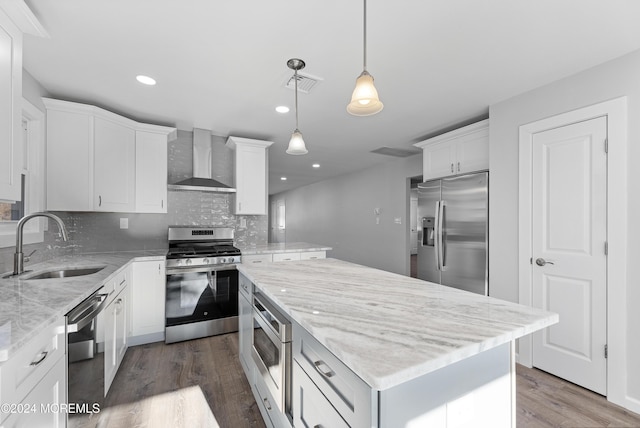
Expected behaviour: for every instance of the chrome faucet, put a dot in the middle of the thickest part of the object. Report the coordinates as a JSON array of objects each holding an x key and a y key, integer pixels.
[{"x": 18, "y": 257}]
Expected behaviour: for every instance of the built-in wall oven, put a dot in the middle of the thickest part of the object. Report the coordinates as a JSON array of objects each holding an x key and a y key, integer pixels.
[
  {"x": 202, "y": 283},
  {"x": 271, "y": 350}
]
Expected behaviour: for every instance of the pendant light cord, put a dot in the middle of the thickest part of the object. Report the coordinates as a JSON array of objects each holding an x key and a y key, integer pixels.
[
  {"x": 365, "y": 36},
  {"x": 295, "y": 77}
]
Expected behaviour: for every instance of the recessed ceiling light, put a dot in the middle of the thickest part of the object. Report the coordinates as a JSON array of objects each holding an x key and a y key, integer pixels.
[
  {"x": 316, "y": 165},
  {"x": 282, "y": 109},
  {"x": 283, "y": 178},
  {"x": 146, "y": 80}
]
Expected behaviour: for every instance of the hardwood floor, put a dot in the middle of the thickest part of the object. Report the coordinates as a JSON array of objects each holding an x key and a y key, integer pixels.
[
  {"x": 544, "y": 400},
  {"x": 200, "y": 383}
]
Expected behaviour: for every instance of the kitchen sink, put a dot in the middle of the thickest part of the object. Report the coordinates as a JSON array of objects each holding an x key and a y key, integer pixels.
[{"x": 64, "y": 273}]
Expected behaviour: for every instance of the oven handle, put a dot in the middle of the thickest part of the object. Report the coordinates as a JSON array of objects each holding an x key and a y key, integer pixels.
[
  {"x": 213, "y": 282},
  {"x": 189, "y": 269}
]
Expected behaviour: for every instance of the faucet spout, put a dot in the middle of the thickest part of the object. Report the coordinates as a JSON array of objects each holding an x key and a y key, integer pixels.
[{"x": 18, "y": 258}]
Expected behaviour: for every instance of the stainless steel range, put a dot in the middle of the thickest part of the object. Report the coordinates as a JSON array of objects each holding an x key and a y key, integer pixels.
[{"x": 202, "y": 283}]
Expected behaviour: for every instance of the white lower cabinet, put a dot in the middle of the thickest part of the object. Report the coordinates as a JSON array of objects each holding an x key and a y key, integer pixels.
[
  {"x": 148, "y": 287},
  {"x": 116, "y": 330},
  {"x": 310, "y": 407},
  {"x": 245, "y": 327},
  {"x": 285, "y": 257},
  {"x": 43, "y": 407},
  {"x": 257, "y": 258}
]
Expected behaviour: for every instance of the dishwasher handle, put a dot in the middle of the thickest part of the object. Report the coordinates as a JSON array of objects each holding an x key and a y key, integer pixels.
[{"x": 86, "y": 313}]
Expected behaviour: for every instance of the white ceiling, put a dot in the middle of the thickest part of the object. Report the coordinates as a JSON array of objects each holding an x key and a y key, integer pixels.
[{"x": 221, "y": 65}]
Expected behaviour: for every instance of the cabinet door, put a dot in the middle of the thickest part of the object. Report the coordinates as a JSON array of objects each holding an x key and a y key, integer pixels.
[
  {"x": 245, "y": 332},
  {"x": 148, "y": 299},
  {"x": 114, "y": 170},
  {"x": 69, "y": 161},
  {"x": 115, "y": 337},
  {"x": 251, "y": 180},
  {"x": 472, "y": 152},
  {"x": 151, "y": 172},
  {"x": 438, "y": 160},
  {"x": 10, "y": 109},
  {"x": 44, "y": 402}
]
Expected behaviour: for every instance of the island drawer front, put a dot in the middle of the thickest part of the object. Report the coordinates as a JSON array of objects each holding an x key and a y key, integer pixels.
[
  {"x": 313, "y": 255},
  {"x": 257, "y": 258},
  {"x": 285, "y": 257},
  {"x": 246, "y": 287},
  {"x": 31, "y": 363},
  {"x": 349, "y": 394},
  {"x": 310, "y": 407}
]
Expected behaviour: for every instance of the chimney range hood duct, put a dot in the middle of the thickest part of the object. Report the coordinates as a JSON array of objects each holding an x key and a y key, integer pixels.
[{"x": 202, "y": 173}]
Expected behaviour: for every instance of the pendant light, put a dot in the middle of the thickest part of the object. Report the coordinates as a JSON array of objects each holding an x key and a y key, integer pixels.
[
  {"x": 364, "y": 101},
  {"x": 296, "y": 144}
]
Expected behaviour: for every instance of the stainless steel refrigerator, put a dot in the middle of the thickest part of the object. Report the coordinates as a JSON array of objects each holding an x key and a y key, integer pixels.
[{"x": 453, "y": 232}]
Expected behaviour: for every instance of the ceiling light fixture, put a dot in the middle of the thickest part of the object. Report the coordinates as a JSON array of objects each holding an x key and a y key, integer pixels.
[
  {"x": 364, "y": 101},
  {"x": 283, "y": 178},
  {"x": 146, "y": 80},
  {"x": 316, "y": 165},
  {"x": 282, "y": 109},
  {"x": 296, "y": 144}
]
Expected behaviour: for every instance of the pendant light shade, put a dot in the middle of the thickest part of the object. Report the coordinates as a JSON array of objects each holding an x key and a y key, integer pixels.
[
  {"x": 365, "y": 101},
  {"x": 296, "y": 144}
]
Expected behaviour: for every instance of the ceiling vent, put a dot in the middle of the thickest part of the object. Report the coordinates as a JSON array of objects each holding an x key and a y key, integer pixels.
[
  {"x": 306, "y": 82},
  {"x": 399, "y": 153}
]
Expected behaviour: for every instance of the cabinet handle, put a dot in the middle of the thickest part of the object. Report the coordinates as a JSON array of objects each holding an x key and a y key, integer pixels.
[
  {"x": 159, "y": 268},
  {"x": 317, "y": 426},
  {"x": 99, "y": 200},
  {"x": 257, "y": 261},
  {"x": 458, "y": 166},
  {"x": 161, "y": 203},
  {"x": 239, "y": 206},
  {"x": 42, "y": 356},
  {"x": 451, "y": 167},
  {"x": 267, "y": 404},
  {"x": 118, "y": 307},
  {"x": 329, "y": 373}
]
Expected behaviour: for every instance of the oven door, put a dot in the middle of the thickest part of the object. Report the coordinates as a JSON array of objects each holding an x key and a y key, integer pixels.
[
  {"x": 200, "y": 303},
  {"x": 271, "y": 354}
]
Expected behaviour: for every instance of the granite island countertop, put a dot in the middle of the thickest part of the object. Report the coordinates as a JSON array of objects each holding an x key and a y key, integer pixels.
[
  {"x": 388, "y": 328},
  {"x": 28, "y": 306},
  {"x": 282, "y": 247}
]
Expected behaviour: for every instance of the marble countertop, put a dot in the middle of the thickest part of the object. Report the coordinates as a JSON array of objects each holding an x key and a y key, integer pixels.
[
  {"x": 28, "y": 306},
  {"x": 282, "y": 247},
  {"x": 388, "y": 328}
]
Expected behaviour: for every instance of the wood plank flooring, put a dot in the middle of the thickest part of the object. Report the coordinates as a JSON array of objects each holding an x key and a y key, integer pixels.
[{"x": 200, "y": 383}]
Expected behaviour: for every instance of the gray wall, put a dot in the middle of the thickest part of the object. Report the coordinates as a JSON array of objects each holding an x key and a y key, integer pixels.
[
  {"x": 99, "y": 232},
  {"x": 613, "y": 79},
  {"x": 339, "y": 213}
]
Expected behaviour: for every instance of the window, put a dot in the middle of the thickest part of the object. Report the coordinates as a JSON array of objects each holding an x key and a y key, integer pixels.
[{"x": 32, "y": 182}]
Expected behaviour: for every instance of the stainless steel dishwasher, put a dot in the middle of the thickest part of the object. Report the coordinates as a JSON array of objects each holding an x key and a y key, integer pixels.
[{"x": 85, "y": 360}]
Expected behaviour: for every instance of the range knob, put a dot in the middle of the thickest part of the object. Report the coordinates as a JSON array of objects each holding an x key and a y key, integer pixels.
[
  {"x": 223, "y": 260},
  {"x": 205, "y": 261},
  {"x": 188, "y": 262}
]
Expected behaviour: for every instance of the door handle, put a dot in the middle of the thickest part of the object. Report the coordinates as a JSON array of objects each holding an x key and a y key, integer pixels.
[{"x": 541, "y": 262}]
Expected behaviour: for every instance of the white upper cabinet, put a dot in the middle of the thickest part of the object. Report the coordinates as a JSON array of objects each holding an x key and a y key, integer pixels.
[
  {"x": 151, "y": 172},
  {"x": 251, "y": 175},
  {"x": 457, "y": 152},
  {"x": 15, "y": 19},
  {"x": 99, "y": 161},
  {"x": 114, "y": 166}
]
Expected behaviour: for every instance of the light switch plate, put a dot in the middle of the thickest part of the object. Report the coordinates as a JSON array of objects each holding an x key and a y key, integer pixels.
[{"x": 124, "y": 223}]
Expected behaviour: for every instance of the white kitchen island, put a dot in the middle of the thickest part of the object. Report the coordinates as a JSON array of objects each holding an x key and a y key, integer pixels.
[{"x": 376, "y": 349}]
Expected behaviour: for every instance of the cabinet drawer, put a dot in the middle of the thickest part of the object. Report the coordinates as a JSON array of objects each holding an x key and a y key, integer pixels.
[
  {"x": 246, "y": 287},
  {"x": 257, "y": 258},
  {"x": 310, "y": 407},
  {"x": 312, "y": 255},
  {"x": 265, "y": 402},
  {"x": 285, "y": 257},
  {"x": 30, "y": 364},
  {"x": 115, "y": 284},
  {"x": 346, "y": 392}
]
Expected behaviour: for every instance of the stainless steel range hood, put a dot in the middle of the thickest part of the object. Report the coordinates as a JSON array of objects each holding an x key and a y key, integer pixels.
[{"x": 202, "y": 175}]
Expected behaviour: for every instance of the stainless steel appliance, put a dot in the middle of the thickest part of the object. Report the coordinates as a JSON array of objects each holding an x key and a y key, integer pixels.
[
  {"x": 271, "y": 351},
  {"x": 453, "y": 232},
  {"x": 85, "y": 360},
  {"x": 202, "y": 283}
]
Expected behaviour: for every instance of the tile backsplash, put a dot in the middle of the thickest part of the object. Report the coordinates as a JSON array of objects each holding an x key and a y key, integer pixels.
[{"x": 100, "y": 232}]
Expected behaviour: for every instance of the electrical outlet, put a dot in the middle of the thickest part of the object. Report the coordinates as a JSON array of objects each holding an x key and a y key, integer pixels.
[
  {"x": 124, "y": 223},
  {"x": 243, "y": 223}
]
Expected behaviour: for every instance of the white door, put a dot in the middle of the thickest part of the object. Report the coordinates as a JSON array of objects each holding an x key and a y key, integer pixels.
[{"x": 569, "y": 261}]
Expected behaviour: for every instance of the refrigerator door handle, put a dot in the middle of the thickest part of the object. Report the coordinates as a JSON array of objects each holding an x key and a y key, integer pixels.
[
  {"x": 443, "y": 260},
  {"x": 436, "y": 238}
]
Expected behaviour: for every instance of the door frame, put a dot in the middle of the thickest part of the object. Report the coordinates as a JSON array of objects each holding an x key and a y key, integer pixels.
[{"x": 616, "y": 112}]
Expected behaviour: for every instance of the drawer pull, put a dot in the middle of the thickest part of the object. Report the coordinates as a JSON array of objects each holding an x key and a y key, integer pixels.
[
  {"x": 257, "y": 261},
  {"x": 317, "y": 426},
  {"x": 42, "y": 356},
  {"x": 267, "y": 404},
  {"x": 329, "y": 373}
]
